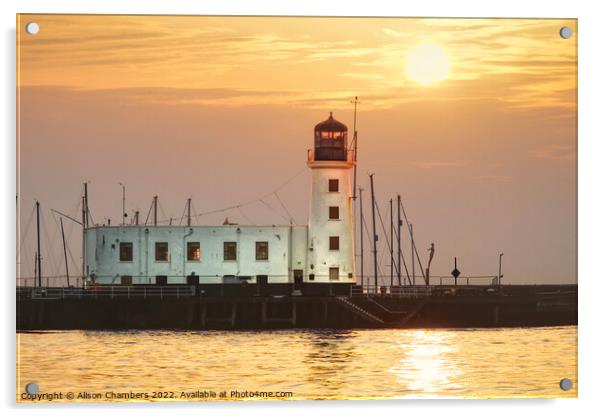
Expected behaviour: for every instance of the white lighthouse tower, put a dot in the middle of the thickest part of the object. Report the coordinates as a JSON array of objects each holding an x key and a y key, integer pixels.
[{"x": 330, "y": 253}]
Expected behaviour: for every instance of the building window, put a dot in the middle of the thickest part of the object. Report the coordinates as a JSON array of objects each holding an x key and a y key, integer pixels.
[
  {"x": 333, "y": 243},
  {"x": 161, "y": 280},
  {"x": 126, "y": 251},
  {"x": 334, "y": 274},
  {"x": 261, "y": 251},
  {"x": 333, "y": 212},
  {"x": 312, "y": 277},
  {"x": 161, "y": 251},
  {"x": 333, "y": 186},
  {"x": 193, "y": 251},
  {"x": 229, "y": 251},
  {"x": 126, "y": 280}
]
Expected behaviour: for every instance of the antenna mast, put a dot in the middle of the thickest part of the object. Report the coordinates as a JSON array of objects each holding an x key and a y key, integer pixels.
[
  {"x": 189, "y": 201},
  {"x": 155, "y": 198},
  {"x": 123, "y": 213}
]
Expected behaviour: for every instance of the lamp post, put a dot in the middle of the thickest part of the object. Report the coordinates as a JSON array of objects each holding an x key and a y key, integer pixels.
[{"x": 499, "y": 276}]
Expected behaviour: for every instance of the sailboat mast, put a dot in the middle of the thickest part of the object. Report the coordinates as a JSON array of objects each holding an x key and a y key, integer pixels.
[
  {"x": 355, "y": 102},
  {"x": 412, "y": 243},
  {"x": 361, "y": 239},
  {"x": 399, "y": 240},
  {"x": 39, "y": 257},
  {"x": 375, "y": 237},
  {"x": 391, "y": 239},
  {"x": 65, "y": 252}
]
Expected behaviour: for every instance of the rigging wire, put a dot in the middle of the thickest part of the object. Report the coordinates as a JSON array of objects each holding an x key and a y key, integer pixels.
[
  {"x": 256, "y": 200},
  {"x": 148, "y": 215},
  {"x": 193, "y": 211},
  {"x": 368, "y": 234},
  {"x": 413, "y": 240},
  {"x": 23, "y": 250},
  {"x": 290, "y": 216},
  {"x": 383, "y": 253},
  {"x": 273, "y": 209},
  {"x": 48, "y": 245},
  {"x": 403, "y": 259},
  {"x": 242, "y": 213}
]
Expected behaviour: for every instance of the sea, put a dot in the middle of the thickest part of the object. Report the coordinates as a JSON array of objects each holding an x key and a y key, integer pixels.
[{"x": 326, "y": 364}]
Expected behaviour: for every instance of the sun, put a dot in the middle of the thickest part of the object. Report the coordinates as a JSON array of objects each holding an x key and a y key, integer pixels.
[{"x": 427, "y": 63}]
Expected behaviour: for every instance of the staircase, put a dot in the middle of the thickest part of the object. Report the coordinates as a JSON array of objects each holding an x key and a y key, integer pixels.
[
  {"x": 357, "y": 310},
  {"x": 412, "y": 313}
]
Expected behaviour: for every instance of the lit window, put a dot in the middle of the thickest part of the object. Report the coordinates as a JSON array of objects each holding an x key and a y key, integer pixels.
[
  {"x": 126, "y": 251},
  {"x": 161, "y": 251},
  {"x": 334, "y": 243},
  {"x": 193, "y": 250},
  {"x": 333, "y": 212},
  {"x": 261, "y": 251},
  {"x": 334, "y": 274},
  {"x": 333, "y": 186},
  {"x": 229, "y": 251}
]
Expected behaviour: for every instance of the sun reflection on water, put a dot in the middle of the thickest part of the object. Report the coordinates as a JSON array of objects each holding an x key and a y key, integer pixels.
[{"x": 426, "y": 366}]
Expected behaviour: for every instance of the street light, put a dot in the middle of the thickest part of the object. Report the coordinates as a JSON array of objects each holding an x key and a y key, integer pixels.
[{"x": 499, "y": 276}]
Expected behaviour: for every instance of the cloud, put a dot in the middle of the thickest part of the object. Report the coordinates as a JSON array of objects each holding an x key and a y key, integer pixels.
[
  {"x": 555, "y": 153},
  {"x": 439, "y": 164},
  {"x": 307, "y": 62}
]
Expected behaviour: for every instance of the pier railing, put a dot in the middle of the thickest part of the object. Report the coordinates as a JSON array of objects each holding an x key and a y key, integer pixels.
[
  {"x": 171, "y": 291},
  {"x": 397, "y": 292},
  {"x": 419, "y": 291}
]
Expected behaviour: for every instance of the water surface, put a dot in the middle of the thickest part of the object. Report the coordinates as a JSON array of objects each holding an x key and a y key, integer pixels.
[{"x": 311, "y": 364}]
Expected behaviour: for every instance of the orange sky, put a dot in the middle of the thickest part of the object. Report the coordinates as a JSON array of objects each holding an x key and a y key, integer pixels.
[{"x": 222, "y": 108}]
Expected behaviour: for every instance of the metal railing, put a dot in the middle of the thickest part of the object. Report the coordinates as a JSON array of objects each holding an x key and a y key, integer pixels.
[
  {"x": 336, "y": 154},
  {"x": 395, "y": 291},
  {"x": 171, "y": 291},
  {"x": 50, "y": 281},
  {"x": 447, "y": 280}
]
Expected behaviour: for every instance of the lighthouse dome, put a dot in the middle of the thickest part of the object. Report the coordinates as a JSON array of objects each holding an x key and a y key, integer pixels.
[
  {"x": 330, "y": 140},
  {"x": 330, "y": 125}
]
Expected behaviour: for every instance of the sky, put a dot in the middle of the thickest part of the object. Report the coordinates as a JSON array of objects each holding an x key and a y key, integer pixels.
[{"x": 222, "y": 110}]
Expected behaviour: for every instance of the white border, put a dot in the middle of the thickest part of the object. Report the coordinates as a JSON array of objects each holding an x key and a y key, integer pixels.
[{"x": 590, "y": 231}]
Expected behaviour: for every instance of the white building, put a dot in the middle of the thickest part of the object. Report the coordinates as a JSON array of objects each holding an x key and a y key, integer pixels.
[{"x": 321, "y": 252}]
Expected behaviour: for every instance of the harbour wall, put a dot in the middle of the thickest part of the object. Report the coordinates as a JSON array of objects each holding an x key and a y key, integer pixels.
[{"x": 526, "y": 306}]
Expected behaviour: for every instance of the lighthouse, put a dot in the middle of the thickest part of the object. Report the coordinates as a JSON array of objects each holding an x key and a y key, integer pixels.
[{"x": 330, "y": 255}]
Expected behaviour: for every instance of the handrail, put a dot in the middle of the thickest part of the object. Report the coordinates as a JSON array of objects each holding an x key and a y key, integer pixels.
[{"x": 111, "y": 291}]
